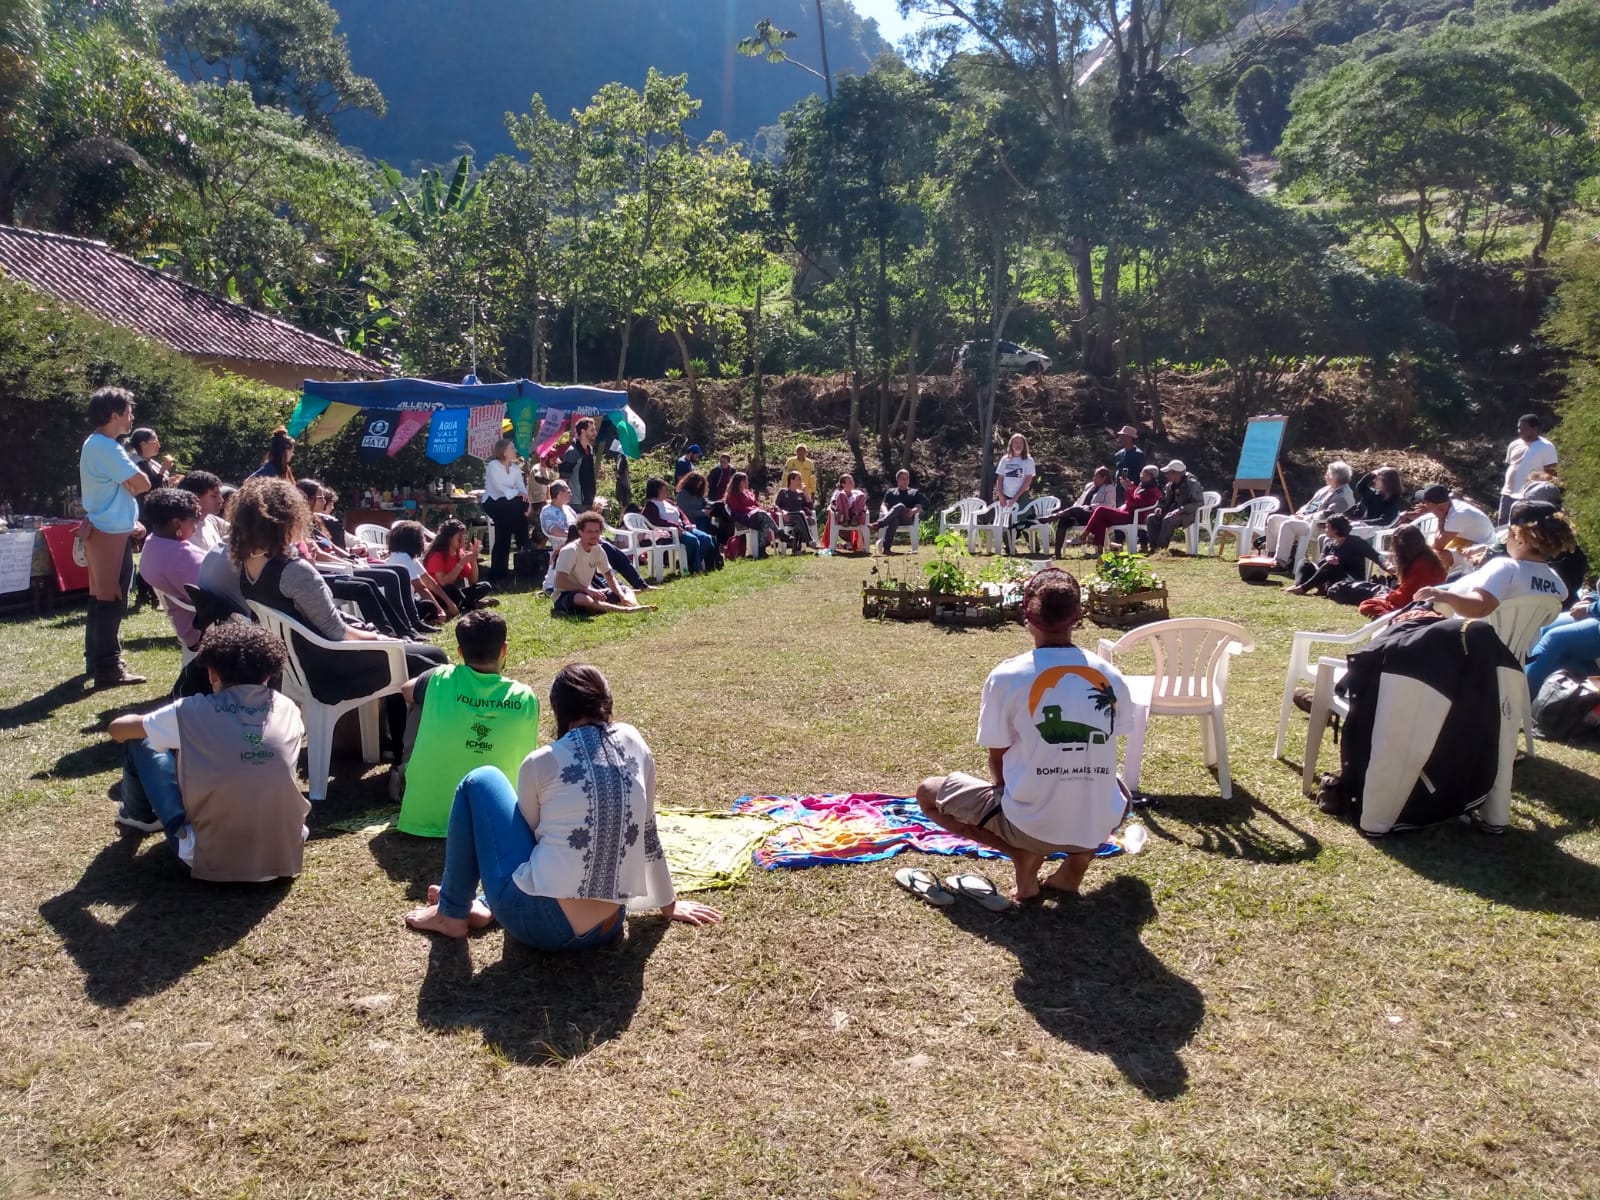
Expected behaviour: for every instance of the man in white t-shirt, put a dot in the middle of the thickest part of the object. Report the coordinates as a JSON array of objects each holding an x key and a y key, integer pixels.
[
  {"x": 1537, "y": 533},
  {"x": 576, "y": 567},
  {"x": 1049, "y": 719},
  {"x": 1529, "y": 453},
  {"x": 1461, "y": 526}
]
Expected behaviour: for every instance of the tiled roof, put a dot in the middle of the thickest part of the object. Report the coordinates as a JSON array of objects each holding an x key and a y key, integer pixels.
[{"x": 189, "y": 319}]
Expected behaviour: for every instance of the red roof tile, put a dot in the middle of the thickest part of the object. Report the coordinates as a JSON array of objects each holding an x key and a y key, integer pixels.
[{"x": 189, "y": 319}]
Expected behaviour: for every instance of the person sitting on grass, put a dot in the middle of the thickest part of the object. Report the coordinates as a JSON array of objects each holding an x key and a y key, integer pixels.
[
  {"x": 217, "y": 772},
  {"x": 1050, "y": 719},
  {"x": 1344, "y": 559},
  {"x": 559, "y": 521},
  {"x": 406, "y": 540},
  {"x": 170, "y": 562},
  {"x": 564, "y": 854},
  {"x": 468, "y": 716},
  {"x": 584, "y": 581},
  {"x": 452, "y": 560}
]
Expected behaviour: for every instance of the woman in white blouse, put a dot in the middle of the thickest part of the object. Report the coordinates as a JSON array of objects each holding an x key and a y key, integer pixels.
[
  {"x": 505, "y": 499},
  {"x": 572, "y": 848}
]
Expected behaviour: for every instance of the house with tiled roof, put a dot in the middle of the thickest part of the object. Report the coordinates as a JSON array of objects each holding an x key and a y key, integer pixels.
[{"x": 213, "y": 332}]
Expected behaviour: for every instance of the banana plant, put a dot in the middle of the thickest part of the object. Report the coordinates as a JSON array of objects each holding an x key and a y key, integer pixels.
[{"x": 420, "y": 218}]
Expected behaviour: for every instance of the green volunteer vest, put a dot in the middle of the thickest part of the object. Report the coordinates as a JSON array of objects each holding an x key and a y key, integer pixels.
[{"x": 469, "y": 720}]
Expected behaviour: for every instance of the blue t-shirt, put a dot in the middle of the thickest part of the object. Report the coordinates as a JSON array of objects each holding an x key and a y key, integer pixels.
[{"x": 103, "y": 466}]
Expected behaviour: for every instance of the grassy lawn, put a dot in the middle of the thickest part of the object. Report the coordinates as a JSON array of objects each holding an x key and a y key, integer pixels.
[{"x": 1261, "y": 1005}]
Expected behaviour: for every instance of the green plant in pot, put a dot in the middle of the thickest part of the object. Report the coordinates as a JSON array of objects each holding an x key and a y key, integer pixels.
[{"x": 1122, "y": 574}]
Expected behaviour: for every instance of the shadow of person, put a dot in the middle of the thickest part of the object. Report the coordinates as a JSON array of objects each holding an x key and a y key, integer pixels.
[
  {"x": 1241, "y": 827},
  {"x": 1088, "y": 979},
  {"x": 37, "y": 708},
  {"x": 536, "y": 1008},
  {"x": 169, "y": 925},
  {"x": 413, "y": 861}
]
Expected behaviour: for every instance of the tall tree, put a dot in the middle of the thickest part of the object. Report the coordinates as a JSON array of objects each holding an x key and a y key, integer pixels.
[{"x": 288, "y": 51}]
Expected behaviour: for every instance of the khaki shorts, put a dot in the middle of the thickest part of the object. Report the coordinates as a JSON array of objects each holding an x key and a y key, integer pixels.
[{"x": 974, "y": 801}]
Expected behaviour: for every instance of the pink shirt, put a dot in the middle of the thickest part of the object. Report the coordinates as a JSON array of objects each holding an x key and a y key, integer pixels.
[{"x": 168, "y": 565}]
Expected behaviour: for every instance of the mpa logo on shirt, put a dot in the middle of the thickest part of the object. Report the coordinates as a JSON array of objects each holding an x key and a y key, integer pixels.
[{"x": 1548, "y": 586}]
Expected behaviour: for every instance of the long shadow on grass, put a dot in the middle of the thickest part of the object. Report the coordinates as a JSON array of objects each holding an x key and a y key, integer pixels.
[
  {"x": 1241, "y": 827},
  {"x": 171, "y": 924},
  {"x": 535, "y": 1008},
  {"x": 69, "y": 691},
  {"x": 1523, "y": 868},
  {"x": 1089, "y": 980}
]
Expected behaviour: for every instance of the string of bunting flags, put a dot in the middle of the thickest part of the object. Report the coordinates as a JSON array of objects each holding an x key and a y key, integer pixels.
[{"x": 460, "y": 418}]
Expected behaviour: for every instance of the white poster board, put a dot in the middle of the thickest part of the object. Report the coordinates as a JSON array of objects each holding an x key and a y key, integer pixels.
[{"x": 16, "y": 561}]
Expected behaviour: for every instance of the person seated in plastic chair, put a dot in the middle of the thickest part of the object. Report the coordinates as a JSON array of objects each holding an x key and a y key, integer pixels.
[
  {"x": 217, "y": 772},
  {"x": 698, "y": 546},
  {"x": 568, "y": 850},
  {"x": 170, "y": 562},
  {"x": 1050, "y": 719},
  {"x": 902, "y": 505},
  {"x": 466, "y": 717},
  {"x": 795, "y": 504},
  {"x": 584, "y": 582},
  {"x": 1537, "y": 534},
  {"x": 559, "y": 521},
  {"x": 1102, "y": 517},
  {"x": 1287, "y": 533},
  {"x": 1101, "y": 492},
  {"x": 1181, "y": 499},
  {"x": 846, "y": 507}
]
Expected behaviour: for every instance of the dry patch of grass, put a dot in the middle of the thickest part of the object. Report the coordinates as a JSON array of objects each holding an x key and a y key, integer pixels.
[{"x": 1262, "y": 1004}]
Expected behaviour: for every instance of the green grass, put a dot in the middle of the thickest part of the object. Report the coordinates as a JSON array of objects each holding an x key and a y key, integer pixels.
[{"x": 1262, "y": 1004}]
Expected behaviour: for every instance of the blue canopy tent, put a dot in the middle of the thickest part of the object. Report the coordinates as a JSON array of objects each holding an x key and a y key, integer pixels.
[{"x": 461, "y": 418}]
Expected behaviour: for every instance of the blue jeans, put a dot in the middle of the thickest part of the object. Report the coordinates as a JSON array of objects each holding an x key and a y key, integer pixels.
[
  {"x": 697, "y": 546},
  {"x": 150, "y": 786},
  {"x": 487, "y": 839},
  {"x": 1566, "y": 644}
]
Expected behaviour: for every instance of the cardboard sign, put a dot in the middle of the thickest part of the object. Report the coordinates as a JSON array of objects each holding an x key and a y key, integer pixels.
[{"x": 16, "y": 561}]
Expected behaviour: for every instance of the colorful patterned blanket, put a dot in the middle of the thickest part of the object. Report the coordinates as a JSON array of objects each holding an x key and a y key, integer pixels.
[{"x": 859, "y": 827}]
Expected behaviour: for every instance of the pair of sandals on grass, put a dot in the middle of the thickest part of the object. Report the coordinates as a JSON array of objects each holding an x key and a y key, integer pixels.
[{"x": 926, "y": 886}]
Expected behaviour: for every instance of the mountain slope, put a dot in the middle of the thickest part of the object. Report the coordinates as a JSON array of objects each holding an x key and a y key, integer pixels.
[{"x": 451, "y": 71}]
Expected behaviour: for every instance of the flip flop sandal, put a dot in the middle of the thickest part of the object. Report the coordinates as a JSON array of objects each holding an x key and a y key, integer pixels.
[
  {"x": 979, "y": 890},
  {"x": 924, "y": 886}
]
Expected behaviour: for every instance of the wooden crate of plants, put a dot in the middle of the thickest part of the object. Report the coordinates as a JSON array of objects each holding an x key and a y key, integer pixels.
[
  {"x": 976, "y": 610},
  {"x": 896, "y": 601},
  {"x": 1126, "y": 611}
]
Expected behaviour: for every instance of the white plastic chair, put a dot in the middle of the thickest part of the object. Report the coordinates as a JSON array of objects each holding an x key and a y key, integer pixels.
[
  {"x": 1201, "y": 525},
  {"x": 912, "y": 529},
  {"x": 658, "y": 547},
  {"x": 965, "y": 513},
  {"x": 373, "y": 535},
  {"x": 1382, "y": 538},
  {"x": 1518, "y": 623},
  {"x": 1131, "y": 528},
  {"x": 1303, "y": 667},
  {"x": 1038, "y": 508},
  {"x": 837, "y": 533},
  {"x": 1190, "y": 680},
  {"x": 320, "y": 718},
  {"x": 167, "y": 603},
  {"x": 1255, "y": 513}
]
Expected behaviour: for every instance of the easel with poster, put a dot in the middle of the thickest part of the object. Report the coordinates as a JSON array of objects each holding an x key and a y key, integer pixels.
[{"x": 1258, "y": 459}]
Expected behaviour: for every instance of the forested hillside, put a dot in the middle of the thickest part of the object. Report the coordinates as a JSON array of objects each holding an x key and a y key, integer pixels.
[{"x": 450, "y": 72}]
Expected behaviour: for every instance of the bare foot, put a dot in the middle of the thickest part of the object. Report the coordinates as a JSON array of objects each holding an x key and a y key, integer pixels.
[
  {"x": 428, "y": 920},
  {"x": 1066, "y": 879},
  {"x": 1027, "y": 867},
  {"x": 478, "y": 918},
  {"x": 642, "y": 608}
]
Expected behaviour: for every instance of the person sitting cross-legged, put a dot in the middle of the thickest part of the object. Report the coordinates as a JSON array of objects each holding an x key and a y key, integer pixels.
[
  {"x": 568, "y": 850},
  {"x": 902, "y": 505},
  {"x": 794, "y": 503},
  {"x": 1049, "y": 719},
  {"x": 468, "y": 716},
  {"x": 217, "y": 772},
  {"x": 584, "y": 582}
]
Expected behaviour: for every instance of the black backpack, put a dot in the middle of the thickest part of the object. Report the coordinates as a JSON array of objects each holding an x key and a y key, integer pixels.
[{"x": 1563, "y": 706}]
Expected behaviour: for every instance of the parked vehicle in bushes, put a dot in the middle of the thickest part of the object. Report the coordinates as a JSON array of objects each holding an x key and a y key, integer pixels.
[{"x": 1015, "y": 359}]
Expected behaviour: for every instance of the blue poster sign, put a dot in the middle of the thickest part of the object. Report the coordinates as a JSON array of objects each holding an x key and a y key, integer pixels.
[
  {"x": 1258, "y": 457},
  {"x": 447, "y": 434}
]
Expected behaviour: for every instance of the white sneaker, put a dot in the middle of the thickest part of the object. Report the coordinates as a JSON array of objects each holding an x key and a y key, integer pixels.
[{"x": 134, "y": 825}]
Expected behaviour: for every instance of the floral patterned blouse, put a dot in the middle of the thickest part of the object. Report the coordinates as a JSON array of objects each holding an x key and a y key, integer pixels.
[{"x": 590, "y": 799}]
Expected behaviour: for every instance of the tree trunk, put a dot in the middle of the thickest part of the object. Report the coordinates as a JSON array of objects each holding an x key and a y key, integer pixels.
[
  {"x": 574, "y": 341},
  {"x": 540, "y": 363},
  {"x": 1102, "y": 360},
  {"x": 622, "y": 354},
  {"x": 1547, "y": 229},
  {"x": 913, "y": 391},
  {"x": 758, "y": 459},
  {"x": 853, "y": 434}
]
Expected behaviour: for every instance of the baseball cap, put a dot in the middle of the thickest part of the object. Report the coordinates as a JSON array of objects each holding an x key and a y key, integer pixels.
[
  {"x": 1175, "y": 465},
  {"x": 1434, "y": 494},
  {"x": 1530, "y": 512},
  {"x": 694, "y": 450}
]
